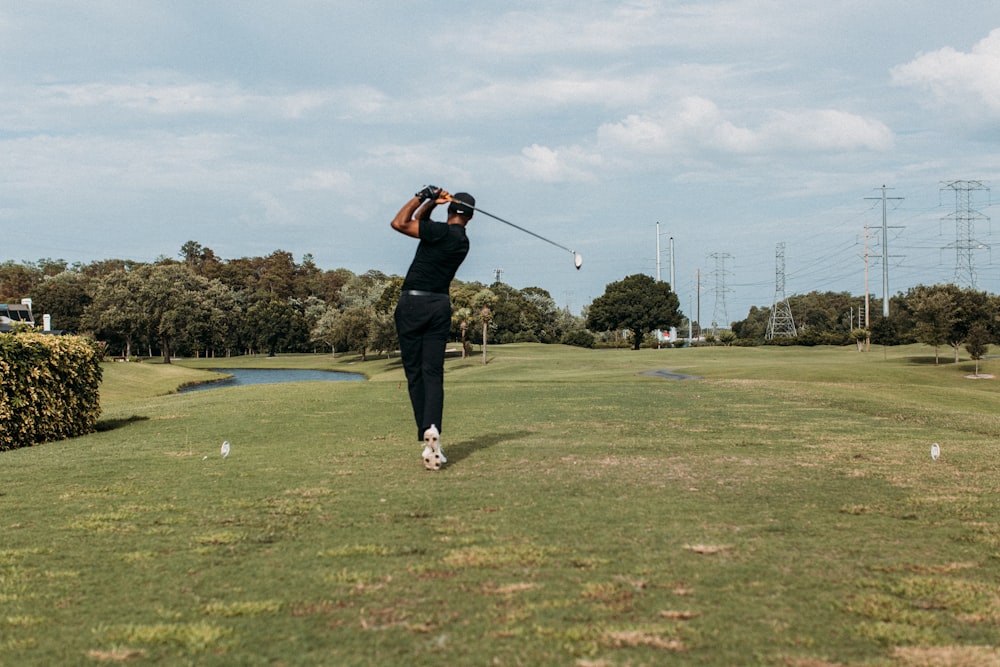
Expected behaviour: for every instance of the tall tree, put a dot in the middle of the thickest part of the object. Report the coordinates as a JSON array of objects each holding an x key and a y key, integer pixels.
[
  {"x": 971, "y": 307},
  {"x": 113, "y": 309},
  {"x": 637, "y": 303},
  {"x": 17, "y": 281},
  {"x": 271, "y": 320},
  {"x": 977, "y": 343},
  {"x": 171, "y": 299},
  {"x": 482, "y": 308},
  {"x": 63, "y": 296},
  {"x": 934, "y": 311}
]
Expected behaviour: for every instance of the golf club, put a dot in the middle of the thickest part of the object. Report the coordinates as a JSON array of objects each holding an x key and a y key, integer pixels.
[{"x": 577, "y": 257}]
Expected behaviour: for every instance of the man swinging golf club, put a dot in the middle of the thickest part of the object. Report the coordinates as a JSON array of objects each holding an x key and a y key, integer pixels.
[{"x": 423, "y": 314}]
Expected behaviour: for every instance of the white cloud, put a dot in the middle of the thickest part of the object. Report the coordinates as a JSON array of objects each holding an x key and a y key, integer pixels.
[
  {"x": 334, "y": 180},
  {"x": 958, "y": 79},
  {"x": 568, "y": 89},
  {"x": 188, "y": 98},
  {"x": 623, "y": 27},
  {"x": 150, "y": 98},
  {"x": 698, "y": 124},
  {"x": 825, "y": 130},
  {"x": 568, "y": 164},
  {"x": 268, "y": 209}
]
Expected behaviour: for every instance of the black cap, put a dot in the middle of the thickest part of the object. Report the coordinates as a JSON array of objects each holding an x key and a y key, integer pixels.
[{"x": 457, "y": 204}]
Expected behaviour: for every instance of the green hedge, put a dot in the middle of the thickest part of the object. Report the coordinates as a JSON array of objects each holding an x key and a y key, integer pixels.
[{"x": 49, "y": 388}]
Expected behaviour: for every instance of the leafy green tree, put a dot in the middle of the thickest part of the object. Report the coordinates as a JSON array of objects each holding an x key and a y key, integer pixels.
[
  {"x": 510, "y": 315},
  {"x": 754, "y": 327},
  {"x": 17, "y": 281},
  {"x": 463, "y": 310},
  {"x": 462, "y": 318},
  {"x": 240, "y": 274},
  {"x": 482, "y": 313},
  {"x": 114, "y": 309},
  {"x": 860, "y": 337},
  {"x": 364, "y": 290},
  {"x": 64, "y": 296},
  {"x": 545, "y": 314},
  {"x": 171, "y": 300},
  {"x": 271, "y": 320},
  {"x": 971, "y": 308},
  {"x": 276, "y": 274},
  {"x": 934, "y": 310},
  {"x": 382, "y": 335},
  {"x": 355, "y": 328},
  {"x": 224, "y": 320},
  {"x": 329, "y": 284},
  {"x": 977, "y": 343},
  {"x": 201, "y": 260},
  {"x": 637, "y": 303},
  {"x": 328, "y": 331},
  {"x": 386, "y": 302}
]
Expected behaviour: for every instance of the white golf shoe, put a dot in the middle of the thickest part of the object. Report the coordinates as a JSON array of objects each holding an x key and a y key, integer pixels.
[{"x": 433, "y": 456}]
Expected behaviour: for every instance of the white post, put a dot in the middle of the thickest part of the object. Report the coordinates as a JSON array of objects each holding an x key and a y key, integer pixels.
[
  {"x": 657, "y": 251},
  {"x": 673, "y": 286}
]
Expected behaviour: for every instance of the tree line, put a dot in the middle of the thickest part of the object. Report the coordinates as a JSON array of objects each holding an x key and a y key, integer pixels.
[
  {"x": 202, "y": 305},
  {"x": 936, "y": 315}
]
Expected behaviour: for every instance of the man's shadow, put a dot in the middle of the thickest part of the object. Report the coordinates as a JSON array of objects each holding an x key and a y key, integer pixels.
[{"x": 462, "y": 450}]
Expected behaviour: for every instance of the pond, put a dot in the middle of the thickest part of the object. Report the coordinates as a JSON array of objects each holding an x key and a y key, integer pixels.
[{"x": 244, "y": 376}]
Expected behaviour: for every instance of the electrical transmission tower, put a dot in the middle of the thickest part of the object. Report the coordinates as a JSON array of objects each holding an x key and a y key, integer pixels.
[
  {"x": 965, "y": 217},
  {"x": 885, "y": 251},
  {"x": 720, "y": 290},
  {"x": 781, "y": 324}
]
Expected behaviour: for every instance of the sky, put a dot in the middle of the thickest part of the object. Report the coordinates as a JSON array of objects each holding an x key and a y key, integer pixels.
[{"x": 722, "y": 130}]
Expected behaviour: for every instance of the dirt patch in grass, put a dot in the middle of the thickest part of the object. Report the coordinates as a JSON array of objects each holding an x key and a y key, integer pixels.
[
  {"x": 947, "y": 656},
  {"x": 116, "y": 654},
  {"x": 707, "y": 549},
  {"x": 508, "y": 589}
]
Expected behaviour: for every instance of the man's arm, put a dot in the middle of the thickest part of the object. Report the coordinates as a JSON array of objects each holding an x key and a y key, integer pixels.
[{"x": 407, "y": 221}]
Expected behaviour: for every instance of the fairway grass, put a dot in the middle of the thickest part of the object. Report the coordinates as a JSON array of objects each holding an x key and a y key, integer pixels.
[{"x": 781, "y": 509}]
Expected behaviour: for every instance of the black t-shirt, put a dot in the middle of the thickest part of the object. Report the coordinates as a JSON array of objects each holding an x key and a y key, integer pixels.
[{"x": 442, "y": 249}]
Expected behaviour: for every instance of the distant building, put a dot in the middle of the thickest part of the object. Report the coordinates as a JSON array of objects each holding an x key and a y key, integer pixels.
[{"x": 11, "y": 314}]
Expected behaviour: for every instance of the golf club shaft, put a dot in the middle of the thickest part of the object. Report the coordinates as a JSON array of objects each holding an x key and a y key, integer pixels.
[{"x": 526, "y": 231}]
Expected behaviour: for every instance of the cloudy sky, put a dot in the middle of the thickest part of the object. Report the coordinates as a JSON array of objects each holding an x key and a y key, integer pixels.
[{"x": 128, "y": 127}]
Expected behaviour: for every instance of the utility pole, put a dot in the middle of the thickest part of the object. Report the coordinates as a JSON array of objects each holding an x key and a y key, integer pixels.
[
  {"x": 965, "y": 217},
  {"x": 658, "y": 278},
  {"x": 698, "y": 293},
  {"x": 885, "y": 252},
  {"x": 673, "y": 285},
  {"x": 867, "y": 327}
]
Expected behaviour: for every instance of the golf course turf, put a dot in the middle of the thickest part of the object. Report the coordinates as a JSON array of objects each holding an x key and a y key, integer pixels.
[{"x": 780, "y": 507}]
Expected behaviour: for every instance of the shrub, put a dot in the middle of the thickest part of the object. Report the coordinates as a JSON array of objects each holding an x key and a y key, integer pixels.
[
  {"x": 579, "y": 338},
  {"x": 49, "y": 388}
]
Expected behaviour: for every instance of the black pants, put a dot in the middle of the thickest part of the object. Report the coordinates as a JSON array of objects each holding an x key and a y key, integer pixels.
[{"x": 423, "y": 323}]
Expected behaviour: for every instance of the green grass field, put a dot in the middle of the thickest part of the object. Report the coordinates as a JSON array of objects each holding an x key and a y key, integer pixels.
[{"x": 783, "y": 509}]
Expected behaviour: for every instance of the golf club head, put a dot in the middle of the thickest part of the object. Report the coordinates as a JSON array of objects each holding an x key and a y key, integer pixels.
[{"x": 577, "y": 260}]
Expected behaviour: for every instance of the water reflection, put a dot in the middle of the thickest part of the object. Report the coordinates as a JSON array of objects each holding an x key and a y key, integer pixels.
[{"x": 242, "y": 376}]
